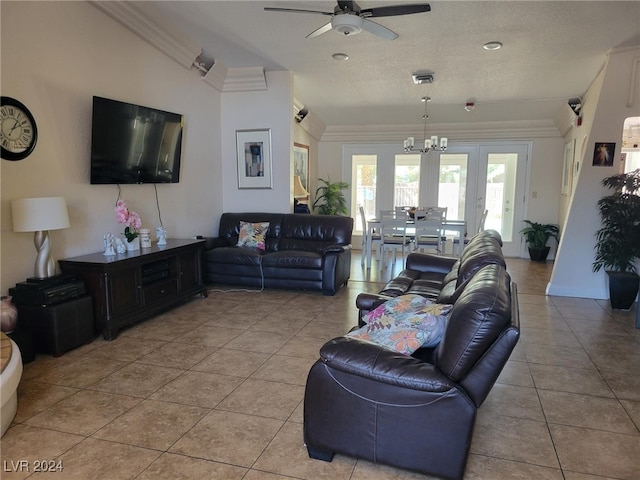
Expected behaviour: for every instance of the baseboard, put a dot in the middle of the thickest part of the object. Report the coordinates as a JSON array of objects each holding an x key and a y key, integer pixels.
[{"x": 578, "y": 292}]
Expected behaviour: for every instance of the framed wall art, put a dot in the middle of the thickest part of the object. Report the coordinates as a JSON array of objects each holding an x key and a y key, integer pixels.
[
  {"x": 603, "y": 154},
  {"x": 301, "y": 163},
  {"x": 253, "y": 148}
]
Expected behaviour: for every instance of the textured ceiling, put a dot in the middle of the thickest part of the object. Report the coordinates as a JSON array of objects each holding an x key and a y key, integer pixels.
[{"x": 552, "y": 51}]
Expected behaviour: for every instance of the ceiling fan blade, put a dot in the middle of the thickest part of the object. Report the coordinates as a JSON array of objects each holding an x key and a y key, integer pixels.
[
  {"x": 394, "y": 10},
  {"x": 320, "y": 31},
  {"x": 379, "y": 30},
  {"x": 295, "y": 10}
]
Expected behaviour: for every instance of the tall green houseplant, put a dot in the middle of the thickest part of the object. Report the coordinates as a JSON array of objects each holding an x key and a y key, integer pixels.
[
  {"x": 618, "y": 240},
  {"x": 536, "y": 235},
  {"x": 330, "y": 199}
]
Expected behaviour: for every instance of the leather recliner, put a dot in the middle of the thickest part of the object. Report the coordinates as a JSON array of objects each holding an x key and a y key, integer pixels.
[{"x": 414, "y": 412}]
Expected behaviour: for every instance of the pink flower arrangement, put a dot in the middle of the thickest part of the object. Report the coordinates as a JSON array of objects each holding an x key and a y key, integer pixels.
[{"x": 129, "y": 218}]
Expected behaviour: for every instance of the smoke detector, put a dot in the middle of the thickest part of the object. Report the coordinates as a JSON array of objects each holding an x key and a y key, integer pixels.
[{"x": 420, "y": 78}]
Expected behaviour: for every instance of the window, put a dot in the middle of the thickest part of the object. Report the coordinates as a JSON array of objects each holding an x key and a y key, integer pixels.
[
  {"x": 452, "y": 183},
  {"x": 406, "y": 186}
]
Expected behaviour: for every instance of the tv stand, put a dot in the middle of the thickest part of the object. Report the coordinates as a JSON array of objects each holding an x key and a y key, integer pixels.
[{"x": 129, "y": 287}]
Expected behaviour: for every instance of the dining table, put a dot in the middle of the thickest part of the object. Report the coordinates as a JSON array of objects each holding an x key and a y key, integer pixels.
[{"x": 458, "y": 226}]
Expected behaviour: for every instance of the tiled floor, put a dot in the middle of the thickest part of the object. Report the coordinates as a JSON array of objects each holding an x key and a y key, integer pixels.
[{"x": 214, "y": 390}]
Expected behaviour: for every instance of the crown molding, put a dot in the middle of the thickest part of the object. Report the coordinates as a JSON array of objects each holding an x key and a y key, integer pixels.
[
  {"x": 453, "y": 131},
  {"x": 143, "y": 19},
  {"x": 240, "y": 79}
]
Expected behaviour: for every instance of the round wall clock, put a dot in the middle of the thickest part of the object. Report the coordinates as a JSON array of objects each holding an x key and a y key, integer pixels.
[{"x": 18, "y": 131}]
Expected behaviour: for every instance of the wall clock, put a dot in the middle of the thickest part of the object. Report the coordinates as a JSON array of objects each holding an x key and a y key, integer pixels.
[{"x": 18, "y": 130}]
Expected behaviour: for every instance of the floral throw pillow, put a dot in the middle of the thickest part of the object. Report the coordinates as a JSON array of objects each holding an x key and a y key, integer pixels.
[
  {"x": 405, "y": 324},
  {"x": 253, "y": 235}
]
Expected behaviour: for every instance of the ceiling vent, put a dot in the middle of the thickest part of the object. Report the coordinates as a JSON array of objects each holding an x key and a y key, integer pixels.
[{"x": 420, "y": 78}]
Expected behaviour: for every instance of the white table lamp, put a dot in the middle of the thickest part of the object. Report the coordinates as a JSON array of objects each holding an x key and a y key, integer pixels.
[{"x": 40, "y": 215}]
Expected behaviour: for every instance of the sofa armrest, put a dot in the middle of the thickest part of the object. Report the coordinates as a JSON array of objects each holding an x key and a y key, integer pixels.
[
  {"x": 369, "y": 301},
  {"x": 336, "y": 249},
  {"x": 425, "y": 262},
  {"x": 379, "y": 364},
  {"x": 214, "y": 242}
]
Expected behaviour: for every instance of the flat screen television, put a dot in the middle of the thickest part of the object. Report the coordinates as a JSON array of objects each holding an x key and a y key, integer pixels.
[{"x": 134, "y": 144}]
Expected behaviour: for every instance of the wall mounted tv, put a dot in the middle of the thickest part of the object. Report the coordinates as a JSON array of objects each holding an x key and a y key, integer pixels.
[{"x": 134, "y": 144}]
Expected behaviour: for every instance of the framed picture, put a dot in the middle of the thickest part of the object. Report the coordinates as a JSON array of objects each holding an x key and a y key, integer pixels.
[
  {"x": 567, "y": 167},
  {"x": 603, "y": 154},
  {"x": 253, "y": 148},
  {"x": 301, "y": 163}
]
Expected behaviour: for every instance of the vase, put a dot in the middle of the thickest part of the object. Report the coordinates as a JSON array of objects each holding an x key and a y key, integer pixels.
[{"x": 133, "y": 245}]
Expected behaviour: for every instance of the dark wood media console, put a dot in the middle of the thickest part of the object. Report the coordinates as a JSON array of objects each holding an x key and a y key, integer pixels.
[{"x": 128, "y": 287}]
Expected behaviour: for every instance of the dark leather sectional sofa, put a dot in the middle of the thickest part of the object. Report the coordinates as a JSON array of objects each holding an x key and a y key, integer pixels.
[
  {"x": 418, "y": 412},
  {"x": 309, "y": 252}
]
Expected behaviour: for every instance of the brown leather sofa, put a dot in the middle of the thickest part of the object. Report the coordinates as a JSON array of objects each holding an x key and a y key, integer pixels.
[
  {"x": 308, "y": 252},
  {"x": 437, "y": 277},
  {"x": 416, "y": 412}
]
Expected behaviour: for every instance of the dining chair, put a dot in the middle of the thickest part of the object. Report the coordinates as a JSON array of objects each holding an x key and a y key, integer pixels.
[
  {"x": 465, "y": 240},
  {"x": 394, "y": 237},
  {"x": 428, "y": 231},
  {"x": 376, "y": 239},
  {"x": 386, "y": 213}
]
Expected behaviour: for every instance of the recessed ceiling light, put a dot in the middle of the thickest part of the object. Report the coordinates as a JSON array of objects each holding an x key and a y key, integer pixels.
[
  {"x": 492, "y": 45},
  {"x": 340, "y": 56}
]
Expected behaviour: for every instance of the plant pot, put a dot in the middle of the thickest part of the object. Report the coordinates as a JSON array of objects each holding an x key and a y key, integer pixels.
[
  {"x": 623, "y": 289},
  {"x": 539, "y": 254},
  {"x": 133, "y": 245}
]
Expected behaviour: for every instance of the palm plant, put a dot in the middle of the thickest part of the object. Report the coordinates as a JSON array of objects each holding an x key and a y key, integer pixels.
[
  {"x": 538, "y": 234},
  {"x": 618, "y": 240},
  {"x": 330, "y": 199}
]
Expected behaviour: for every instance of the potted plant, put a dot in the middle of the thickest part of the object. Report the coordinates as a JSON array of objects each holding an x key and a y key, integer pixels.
[
  {"x": 330, "y": 199},
  {"x": 618, "y": 240},
  {"x": 536, "y": 236}
]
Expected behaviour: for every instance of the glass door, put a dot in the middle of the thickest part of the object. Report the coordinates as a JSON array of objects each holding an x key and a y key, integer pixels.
[{"x": 501, "y": 174}]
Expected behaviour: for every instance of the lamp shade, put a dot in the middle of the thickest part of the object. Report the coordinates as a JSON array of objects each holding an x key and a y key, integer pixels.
[
  {"x": 39, "y": 214},
  {"x": 298, "y": 190}
]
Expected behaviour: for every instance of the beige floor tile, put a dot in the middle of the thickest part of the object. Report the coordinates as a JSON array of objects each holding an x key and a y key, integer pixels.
[
  {"x": 210, "y": 336},
  {"x": 25, "y": 443},
  {"x": 35, "y": 397},
  {"x": 227, "y": 319},
  {"x": 480, "y": 467},
  {"x": 286, "y": 455},
  {"x": 258, "y": 475},
  {"x": 586, "y": 411},
  {"x": 179, "y": 467},
  {"x": 632, "y": 407},
  {"x": 516, "y": 373},
  {"x": 126, "y": 349},
  {"x": 298, "y": 414},
  {"x": 325, "y": 330},
  {"x": 137, "y": 380},
  {"x": 265, "y": 399},
  {"x": 228, "y": 437},
  {"x": 177, "y": 355},
  {"x": 278, "y": 322},
  {"x": 545, "y": 336},
  {"x": 558, "y": 355},
  {"x": 568, "y": 475},
  {"x": 514, "y": 439},
  {"x": 544, "y": 322},
  {"x": 291, "y": 370},
  {"x": 255, "y": 309},
  {"x": 513, "y": 401},
  {"x": 625, "y": 385},
  {"x": 84, "y": 412},
  {"x": 258, "y": 341},
  {"x": 101, "y": 460},
  {"x": 81, "y": 372},
  {"x": 152, "y": 424},
  {"x": 160, "y": 329},
  {"x": 303, "y": 347},
  {"x": 198, "y": 388},
  {"x": 576, "y": 380},
  {"x": 616, "y": 361},
  {"x": 237, "y": 363},
  {"x": 370, "y": 471},
  {"x": 596, "y": 452}
]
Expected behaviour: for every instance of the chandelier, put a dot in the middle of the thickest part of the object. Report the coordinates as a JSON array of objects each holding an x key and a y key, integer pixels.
[{"x": 431, "y": 143}]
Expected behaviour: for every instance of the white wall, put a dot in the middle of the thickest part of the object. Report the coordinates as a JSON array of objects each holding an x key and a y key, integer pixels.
[
  {"x": 270, "y": 109},
  {"x": 55, "y": 57},
  {"x": 605, "y": 109}
]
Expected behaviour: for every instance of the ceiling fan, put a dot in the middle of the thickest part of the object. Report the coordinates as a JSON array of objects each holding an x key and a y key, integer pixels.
[{"x": 349, "y": 19}]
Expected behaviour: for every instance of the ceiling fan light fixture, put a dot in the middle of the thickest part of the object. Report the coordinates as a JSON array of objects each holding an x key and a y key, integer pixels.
[{"x": 347, "y": 24}]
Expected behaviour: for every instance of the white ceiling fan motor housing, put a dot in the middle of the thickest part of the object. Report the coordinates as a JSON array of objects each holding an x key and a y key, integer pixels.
[{"x": 347, "y": 23}]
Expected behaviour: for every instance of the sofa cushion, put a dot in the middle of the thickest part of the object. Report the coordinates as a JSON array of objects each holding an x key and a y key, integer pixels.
[
  {"x": 293, "y": 259},
  {"x": 230, "y": 227},
  {"x": 252, "y": 235},
  {"x": 235, "y": 255}
]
